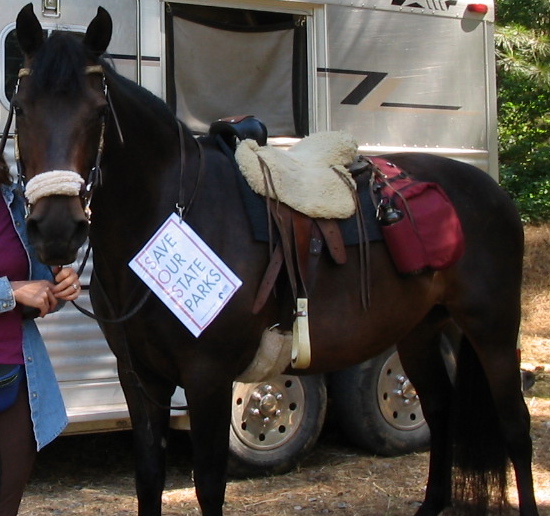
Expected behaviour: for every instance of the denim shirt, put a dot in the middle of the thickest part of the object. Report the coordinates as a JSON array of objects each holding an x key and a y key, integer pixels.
[{"x": 47, "y": 408}]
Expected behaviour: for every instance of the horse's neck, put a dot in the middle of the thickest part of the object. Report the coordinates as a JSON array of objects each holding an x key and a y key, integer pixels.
[
  {"x": 140, "y": 115},
  {"x": 143, "y": 173}
]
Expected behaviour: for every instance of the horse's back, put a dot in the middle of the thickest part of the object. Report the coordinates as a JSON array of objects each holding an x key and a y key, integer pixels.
[
  {"x": 487, "y": 279},
  {"x": 488, "y": 215}
]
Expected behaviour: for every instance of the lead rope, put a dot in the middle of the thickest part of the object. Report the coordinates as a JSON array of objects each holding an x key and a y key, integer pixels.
[
  {"x": 182, "y": 211},
  {"x": 93, "y": 180},
  {"x": 126, "y": 350}
]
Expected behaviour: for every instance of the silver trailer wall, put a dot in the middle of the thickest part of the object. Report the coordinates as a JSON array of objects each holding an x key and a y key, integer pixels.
[
  {"x": 410, "y": 80},
  {"x": 71, "y": 15},
  {"x": 399, "y": 75}
]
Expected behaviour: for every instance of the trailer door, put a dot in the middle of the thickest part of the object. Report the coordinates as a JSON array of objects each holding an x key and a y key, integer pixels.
[{"x": 224, "y": 62}]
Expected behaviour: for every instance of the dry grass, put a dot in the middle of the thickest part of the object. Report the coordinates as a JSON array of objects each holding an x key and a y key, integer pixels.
[
  {"x": 93, "y": 475},
  {"x": 536, "y": 296}
]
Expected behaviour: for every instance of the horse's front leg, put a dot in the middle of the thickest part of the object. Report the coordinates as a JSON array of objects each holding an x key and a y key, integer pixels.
[
  {"x": 209, "y": 400},
  {"x": 150, "y": 423}
]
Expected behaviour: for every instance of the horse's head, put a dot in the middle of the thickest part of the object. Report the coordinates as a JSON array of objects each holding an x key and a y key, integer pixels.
[{"x": 60, "y": 105}]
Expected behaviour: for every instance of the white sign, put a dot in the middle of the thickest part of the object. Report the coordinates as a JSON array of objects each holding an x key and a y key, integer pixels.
[{"x": 185, "y": 274}]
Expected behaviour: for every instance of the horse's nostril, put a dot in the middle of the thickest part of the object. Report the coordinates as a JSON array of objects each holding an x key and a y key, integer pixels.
[
  {"x": 32, "y": 230},
  {"x": 56, "y": 239}
]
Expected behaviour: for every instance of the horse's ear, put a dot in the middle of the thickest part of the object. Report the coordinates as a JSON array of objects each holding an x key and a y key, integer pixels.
[
  {"x": 29, "y": 31},
  {"x": 99, "y": 32}
]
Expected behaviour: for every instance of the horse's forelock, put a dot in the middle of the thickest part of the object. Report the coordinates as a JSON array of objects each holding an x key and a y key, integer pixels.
[{"x": 58, "y": 67}]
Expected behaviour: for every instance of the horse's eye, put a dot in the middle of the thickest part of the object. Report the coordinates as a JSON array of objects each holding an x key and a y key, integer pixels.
[{"x": 18, "y": 110}]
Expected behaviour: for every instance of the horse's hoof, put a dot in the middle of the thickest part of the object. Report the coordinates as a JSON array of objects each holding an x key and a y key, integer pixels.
[{"x": 429, "y": 510}]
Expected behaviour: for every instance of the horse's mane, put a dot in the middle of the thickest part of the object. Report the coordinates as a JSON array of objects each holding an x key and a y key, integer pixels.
[
  {"x": 58, "y": 64},
  {"x": 142, "y": 97},
  {"x": 58, "y": 69}
]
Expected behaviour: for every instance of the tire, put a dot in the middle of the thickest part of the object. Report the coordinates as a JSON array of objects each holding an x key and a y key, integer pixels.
[
  {"x": 275, "y": 424},
  {"x": 377, "y": 408}
]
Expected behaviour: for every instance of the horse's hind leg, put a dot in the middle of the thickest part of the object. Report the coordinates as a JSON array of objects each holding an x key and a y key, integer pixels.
[
  {"x": 495, "y": 345},
  {"x": 422, "y": 360},
  {"x": 489, "y": 313}
]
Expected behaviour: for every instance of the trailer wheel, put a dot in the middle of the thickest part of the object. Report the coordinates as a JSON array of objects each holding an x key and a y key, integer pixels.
[
  {"x": 275, "y": 424},
  {"x": 377, "y": 407}
]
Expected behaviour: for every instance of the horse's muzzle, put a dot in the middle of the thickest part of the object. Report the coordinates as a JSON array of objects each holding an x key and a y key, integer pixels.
[{"x": 57, "y": 227}]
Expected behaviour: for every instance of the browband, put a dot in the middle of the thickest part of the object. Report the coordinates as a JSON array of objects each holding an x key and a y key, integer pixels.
[{"x": 25, "y": 72}]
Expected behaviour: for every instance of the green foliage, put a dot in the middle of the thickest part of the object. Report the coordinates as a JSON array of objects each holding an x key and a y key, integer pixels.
[
  {"x": 523, "y": 68},
  {"x": 533, "y": 14},
  {"x": 523, "y": 52}
]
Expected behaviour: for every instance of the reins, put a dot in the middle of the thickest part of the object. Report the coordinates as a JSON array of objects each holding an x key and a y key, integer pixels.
[
  {"x": 96, "y": 317},
  {"x": 182, "y": 208},
  {"x": 95, "y": 179}
]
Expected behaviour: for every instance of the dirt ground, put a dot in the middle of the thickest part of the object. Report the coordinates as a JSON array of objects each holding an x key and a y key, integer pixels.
[{"x": 93, "y": 475}]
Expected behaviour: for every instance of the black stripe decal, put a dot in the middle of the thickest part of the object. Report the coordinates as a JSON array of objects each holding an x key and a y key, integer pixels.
[
  {"x": 419, "y": 106},
  {"x": 129, "y": 57}
]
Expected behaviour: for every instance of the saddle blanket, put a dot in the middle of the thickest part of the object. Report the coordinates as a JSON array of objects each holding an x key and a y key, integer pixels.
[
  {"x": 312, "y": 176},
  {"x": 257, "y": 212}
]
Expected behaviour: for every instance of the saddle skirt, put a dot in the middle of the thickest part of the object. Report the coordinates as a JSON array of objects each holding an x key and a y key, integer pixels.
[{"x": 311, "y": 177}]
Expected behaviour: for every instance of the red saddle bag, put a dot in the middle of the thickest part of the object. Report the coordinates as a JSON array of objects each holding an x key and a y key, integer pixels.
[{"x": 419, "y": 223}]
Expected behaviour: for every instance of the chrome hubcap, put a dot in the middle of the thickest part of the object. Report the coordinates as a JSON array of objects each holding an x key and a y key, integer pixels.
[
  {"x": 397, "y": 398},
  {"x": 266, "y": 415}
]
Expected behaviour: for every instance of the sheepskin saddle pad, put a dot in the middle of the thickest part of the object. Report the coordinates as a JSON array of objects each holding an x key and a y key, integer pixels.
[{"x": 312, "y": 176}]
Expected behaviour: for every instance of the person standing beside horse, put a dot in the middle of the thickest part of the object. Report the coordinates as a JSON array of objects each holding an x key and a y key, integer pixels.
[{"x": 32, "y": 412}]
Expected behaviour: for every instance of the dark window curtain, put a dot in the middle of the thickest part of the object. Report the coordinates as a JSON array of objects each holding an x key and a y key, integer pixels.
[{"x": 223, "y": 62}]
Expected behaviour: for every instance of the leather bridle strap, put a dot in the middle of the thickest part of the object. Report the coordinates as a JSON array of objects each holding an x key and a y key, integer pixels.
[
  {"x": 94, "y": 177},
  {"x": 182, "y": 209},
  {"x": 25, "y": 72}
]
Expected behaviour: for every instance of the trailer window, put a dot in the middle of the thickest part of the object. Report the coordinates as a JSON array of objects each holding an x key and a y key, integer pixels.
[
  {"x": 224, "y": 62},
  {"x": 13, "y": 60}
]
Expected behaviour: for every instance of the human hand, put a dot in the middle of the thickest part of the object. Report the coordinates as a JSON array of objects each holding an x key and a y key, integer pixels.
[
  {"x": 35, "y": 294},
  {"x": 67, "y": 285}
]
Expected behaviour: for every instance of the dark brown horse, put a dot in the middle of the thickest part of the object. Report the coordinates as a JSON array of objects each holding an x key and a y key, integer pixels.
[{"x": 61, "y": 105}]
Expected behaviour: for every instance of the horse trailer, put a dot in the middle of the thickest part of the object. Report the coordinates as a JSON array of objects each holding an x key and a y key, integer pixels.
[{"x": 399, "y": 75}]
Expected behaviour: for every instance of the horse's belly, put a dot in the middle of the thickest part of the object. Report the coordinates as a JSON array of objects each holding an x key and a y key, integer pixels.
[{"x": 343, "y": 332}]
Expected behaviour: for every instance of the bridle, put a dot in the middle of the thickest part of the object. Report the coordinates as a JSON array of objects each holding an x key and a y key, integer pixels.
[
  {"x": 62, "y": 182},
  {"x": 46, "y": 184},
  {"x": 66, "y": 182}
]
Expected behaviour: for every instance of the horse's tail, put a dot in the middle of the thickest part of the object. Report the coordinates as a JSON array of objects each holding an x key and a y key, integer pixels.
[{"x": 480, "y": 459}]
